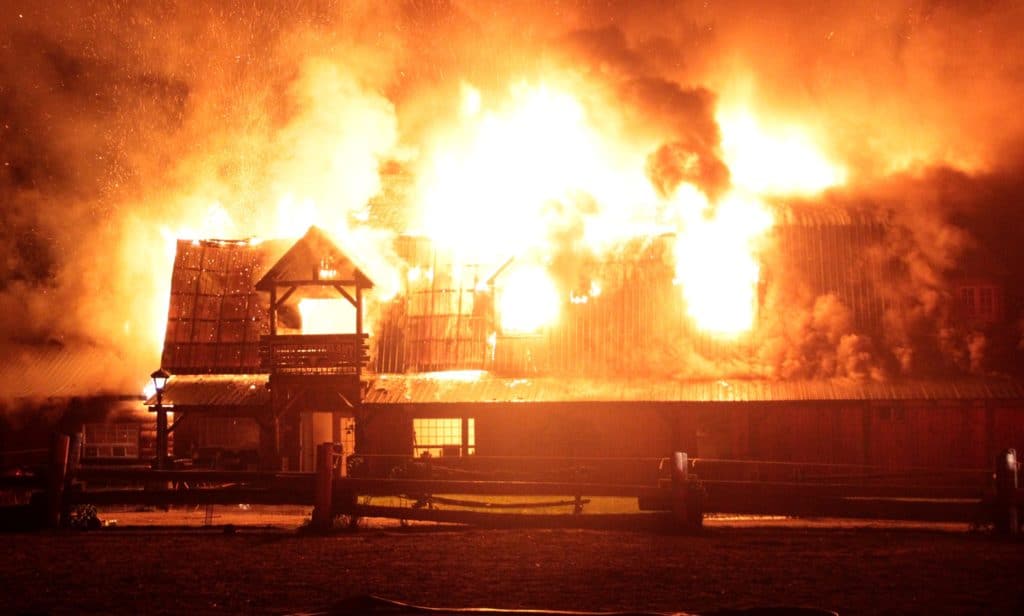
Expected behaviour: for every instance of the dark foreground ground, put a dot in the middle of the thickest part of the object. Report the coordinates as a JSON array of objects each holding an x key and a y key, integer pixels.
[{"x": 196, "y": 571}]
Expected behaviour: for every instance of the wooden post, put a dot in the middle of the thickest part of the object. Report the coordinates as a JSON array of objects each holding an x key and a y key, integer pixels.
[
  {"x": 687, "y": 506},
  {"x": 161, "y": 433},
  {"x": 273, "y": 310},
  {"x": 342, "y": 460},
  {"x": 336, "y": 438},
  {"x": 1006, "y": 516},
  {"x": 58, "y": 475},
  {"x": 74, "y": 456},
  {"x": 359, "y": 332},
  {"x": 679, "y": 473},
  {"x": 323, "y": 513}
]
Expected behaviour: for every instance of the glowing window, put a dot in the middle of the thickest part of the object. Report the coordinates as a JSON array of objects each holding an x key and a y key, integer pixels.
[{"x": 442, "y": 437}]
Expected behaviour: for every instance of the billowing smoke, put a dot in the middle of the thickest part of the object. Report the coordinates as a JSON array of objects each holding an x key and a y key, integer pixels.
[
  {"x": 681, "y": 116},
  {"x": 124, "y": 126},
  {"x": 120, "y": 121}
]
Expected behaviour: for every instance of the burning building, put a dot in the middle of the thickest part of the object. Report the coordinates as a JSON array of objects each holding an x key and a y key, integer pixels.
[
  {"x": 271, "y": 355},
  {"x": 629, "y": 217}
]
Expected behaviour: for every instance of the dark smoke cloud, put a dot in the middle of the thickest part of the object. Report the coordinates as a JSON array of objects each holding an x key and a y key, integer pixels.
[{"x": 682, "y": 116}]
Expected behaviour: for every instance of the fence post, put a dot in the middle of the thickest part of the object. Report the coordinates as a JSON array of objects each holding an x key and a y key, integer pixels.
[
  {"x": 687, "y": 508},
  {"x": 1006, "y": 520},
  {"x": 342, "y": 455},
  {"x": 323, "y": 508},
  {"x": 74, "y": 455},
  {"x": 58, "y": 474}
]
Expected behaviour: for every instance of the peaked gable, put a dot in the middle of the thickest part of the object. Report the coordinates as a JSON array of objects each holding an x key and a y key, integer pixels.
[{"x": 314, "y": 257}]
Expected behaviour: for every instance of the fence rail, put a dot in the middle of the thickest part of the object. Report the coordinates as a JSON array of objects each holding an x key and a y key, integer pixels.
[{"x": 676, "y": 495}]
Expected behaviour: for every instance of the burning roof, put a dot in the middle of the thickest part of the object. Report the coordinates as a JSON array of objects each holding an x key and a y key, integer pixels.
[{"x": 437, "y": 389}]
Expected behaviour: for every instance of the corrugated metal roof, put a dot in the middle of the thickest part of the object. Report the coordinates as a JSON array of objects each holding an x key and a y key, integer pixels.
[
  {"x": 216, "y": 390},
  {"x": 421, "y": 389},
  {"x": 55, "y": 371}
]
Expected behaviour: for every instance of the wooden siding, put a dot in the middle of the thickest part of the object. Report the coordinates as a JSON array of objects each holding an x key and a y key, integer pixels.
[{"x": 897, "y": 434}]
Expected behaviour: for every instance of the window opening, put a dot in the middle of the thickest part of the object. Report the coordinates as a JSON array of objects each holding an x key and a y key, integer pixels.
[{"x": 442, "y": 437}]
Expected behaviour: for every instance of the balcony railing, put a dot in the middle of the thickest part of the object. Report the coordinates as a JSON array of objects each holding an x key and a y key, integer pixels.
[{"x": 314, "y": 354}]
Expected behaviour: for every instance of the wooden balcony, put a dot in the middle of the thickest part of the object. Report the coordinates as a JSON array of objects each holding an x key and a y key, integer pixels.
[{"x": 323, "y": 354}]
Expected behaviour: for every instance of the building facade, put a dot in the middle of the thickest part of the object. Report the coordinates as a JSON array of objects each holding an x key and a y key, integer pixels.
[{"x": 257, "y": 382}]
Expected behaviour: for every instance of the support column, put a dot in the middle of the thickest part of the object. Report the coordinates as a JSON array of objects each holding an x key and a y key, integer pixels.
[
  {"x": 273, "y": 311},
  {"x": 1007, "y": 522},
  {"x": 161, "y": 433},
  {"x": 687, "y": 495},
  {"x": 58, "y": 475},
  {"x": 359, "y": 335},
  {"x": 323, "y": 510}
]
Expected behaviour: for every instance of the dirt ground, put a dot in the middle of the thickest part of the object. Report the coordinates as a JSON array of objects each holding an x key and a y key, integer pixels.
[{"x": 267, "y": 567}]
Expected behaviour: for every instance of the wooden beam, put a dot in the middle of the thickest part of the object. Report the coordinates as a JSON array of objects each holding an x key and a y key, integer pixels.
[
  {"x": 284, "y": 297},
  {"x": 632, "y": 521},
  {"x": 282, "y": 479},
  {"x": 359, "y": 325},
  {"x": 314, "y": 283},
  {"x": 346, "y": 295},
  {"x": 359, "y": 311},
  {"x": 395, "y": 487},
  {"x": 273, "y": 311},
  {"x": 178, "y": 416},
  {"x": 195, "y": 496}
]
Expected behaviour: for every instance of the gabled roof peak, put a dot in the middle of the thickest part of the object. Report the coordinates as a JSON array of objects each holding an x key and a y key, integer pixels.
[{"x": 314, "y": 257}]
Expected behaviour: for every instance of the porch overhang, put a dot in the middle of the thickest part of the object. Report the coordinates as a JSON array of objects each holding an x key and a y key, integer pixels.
[{"x": 216, "y": 391}]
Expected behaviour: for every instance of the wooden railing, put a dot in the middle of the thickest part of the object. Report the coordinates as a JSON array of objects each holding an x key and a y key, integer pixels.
[{"x": 314, "y": 354}]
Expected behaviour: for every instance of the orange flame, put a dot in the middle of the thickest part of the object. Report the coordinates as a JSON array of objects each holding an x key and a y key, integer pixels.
[
  {"x": 774, "y": 160},
  {"x": 529, "y": 300},
  {"x": 511, "y": 174},
  {"x": 717, "y": 264}
]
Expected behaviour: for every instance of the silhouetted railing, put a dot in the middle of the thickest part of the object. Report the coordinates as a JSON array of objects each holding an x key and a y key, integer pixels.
[{"x": 314, "y": 354}]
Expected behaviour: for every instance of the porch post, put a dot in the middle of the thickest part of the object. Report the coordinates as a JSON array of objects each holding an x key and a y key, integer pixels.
[{"x": 161, "y": 432}]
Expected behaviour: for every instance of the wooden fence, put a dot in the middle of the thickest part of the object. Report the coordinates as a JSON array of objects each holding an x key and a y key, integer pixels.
[{"x": 682, "y": 492}]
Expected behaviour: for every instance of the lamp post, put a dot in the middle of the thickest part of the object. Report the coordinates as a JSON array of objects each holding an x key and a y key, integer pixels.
[{"x": 159, "y": 382}]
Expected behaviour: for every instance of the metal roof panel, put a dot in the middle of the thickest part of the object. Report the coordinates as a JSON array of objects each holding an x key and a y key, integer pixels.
[
  {"x": 437, "y": 388},
  {"x": 215, "y": 390}
]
